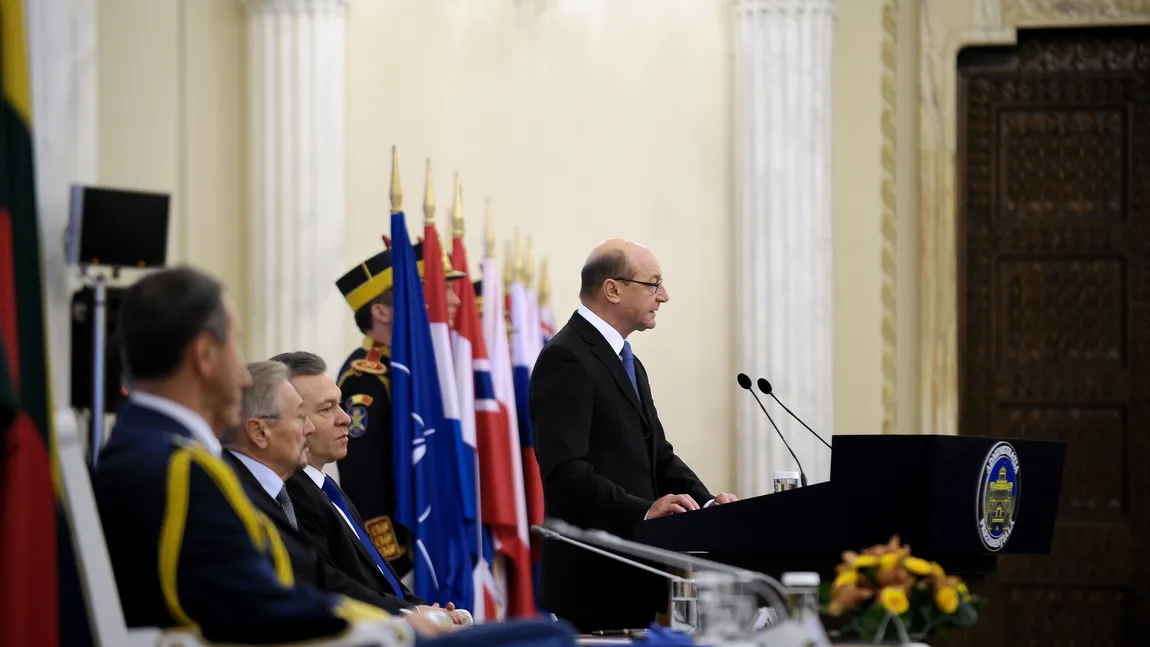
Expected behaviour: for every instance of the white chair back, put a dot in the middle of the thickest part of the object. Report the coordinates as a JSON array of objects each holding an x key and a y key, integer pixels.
[{"x": 105, "y": 614}]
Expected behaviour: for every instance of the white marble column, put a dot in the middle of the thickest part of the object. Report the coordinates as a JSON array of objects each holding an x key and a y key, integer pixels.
[
  {"x": 783, "y": 231},
  {"x": 61, "y": 48},
  {"x": 296, "y": 97}
]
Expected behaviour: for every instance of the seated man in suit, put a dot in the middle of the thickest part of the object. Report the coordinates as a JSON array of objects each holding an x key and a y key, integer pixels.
[
  {"x": 266, "y": 450},
  {"x": 325, "y": 513},
  {"x": 187, "y": 547}
]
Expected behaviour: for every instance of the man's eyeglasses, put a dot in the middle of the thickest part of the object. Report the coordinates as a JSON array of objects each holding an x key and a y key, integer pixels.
[{"x": 655, "y": 286}]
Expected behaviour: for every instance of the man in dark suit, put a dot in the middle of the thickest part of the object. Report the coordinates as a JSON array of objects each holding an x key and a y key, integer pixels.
[
  {"x": 603, "y": 454},
  {"x": 326, "y": 514},
  {"x": 187, "y": 547},
  {"x": 267, "y": 449}
]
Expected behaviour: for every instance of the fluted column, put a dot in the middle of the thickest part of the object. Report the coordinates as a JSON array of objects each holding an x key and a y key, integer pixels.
[
  {"x": 296, "y": 99},
  {"x": 783, "y": 230}
]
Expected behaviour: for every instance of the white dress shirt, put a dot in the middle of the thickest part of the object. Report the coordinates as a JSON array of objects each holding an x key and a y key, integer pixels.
[
  {"x": 615, "y": 340},
  {"x": 269, "y": 480},
  {"x": 200, "y": 429}
]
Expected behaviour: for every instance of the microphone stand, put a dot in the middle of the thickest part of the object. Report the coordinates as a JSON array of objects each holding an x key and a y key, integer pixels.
[
  {"x": 716, "y": 593},
  {"x": 684, "y": 589},
  {"x": 745, "y": 382},
  {"x": 99, "y": 283}
]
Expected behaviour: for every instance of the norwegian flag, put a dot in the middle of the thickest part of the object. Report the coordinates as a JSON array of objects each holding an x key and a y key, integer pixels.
[
  {"x": 509, "y": 589},
  {"x": 503, "y": 384}
]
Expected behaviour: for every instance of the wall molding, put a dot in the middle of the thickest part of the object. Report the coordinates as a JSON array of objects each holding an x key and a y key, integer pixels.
[{"x": 889, "y": 222}]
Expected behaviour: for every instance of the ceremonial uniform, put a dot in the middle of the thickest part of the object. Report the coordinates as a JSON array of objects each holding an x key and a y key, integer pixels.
[
  {"x": 188, "y": 549},
  {"x": 366, "y": 472}
]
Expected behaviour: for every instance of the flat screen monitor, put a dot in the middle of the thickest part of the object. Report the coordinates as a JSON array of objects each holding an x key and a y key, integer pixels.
[{"x": 117, "y": 227}]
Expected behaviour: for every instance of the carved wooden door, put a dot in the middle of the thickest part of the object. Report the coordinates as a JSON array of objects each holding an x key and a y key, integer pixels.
[{"x": 1054, "y": 316}]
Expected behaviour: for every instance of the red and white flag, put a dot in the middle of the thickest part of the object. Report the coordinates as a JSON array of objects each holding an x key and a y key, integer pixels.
[{"x": 511, "y": 587}]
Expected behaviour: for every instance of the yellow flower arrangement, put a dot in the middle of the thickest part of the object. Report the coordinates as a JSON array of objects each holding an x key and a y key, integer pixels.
[
  {"x": 886, "y": 580},
  {"x": 894, "y": 600}
]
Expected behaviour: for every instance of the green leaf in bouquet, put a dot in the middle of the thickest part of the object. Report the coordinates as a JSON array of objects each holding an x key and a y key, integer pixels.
[
  {"x": 870, "y": 620},
  {"x": 921, "y": 598},
  {"x": 966, "y": 615},
  {"x": 927, "y": 614},
  {"x": 911, "y": 620}
]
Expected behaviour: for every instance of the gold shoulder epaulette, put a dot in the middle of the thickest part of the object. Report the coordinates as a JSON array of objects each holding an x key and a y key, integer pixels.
[{"x": 371, "y": 364}]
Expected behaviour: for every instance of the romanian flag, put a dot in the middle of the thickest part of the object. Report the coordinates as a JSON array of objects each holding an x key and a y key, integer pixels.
[{"x": 29, "y": 573}]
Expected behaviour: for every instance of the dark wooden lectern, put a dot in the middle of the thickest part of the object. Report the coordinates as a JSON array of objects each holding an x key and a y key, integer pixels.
[{"x": 959, "y": 500}]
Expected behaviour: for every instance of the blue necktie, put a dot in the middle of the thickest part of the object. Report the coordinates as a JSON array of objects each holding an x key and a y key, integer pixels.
[
  {"x": 332, "y": 491},
  {"x": 629, "y": 364}
]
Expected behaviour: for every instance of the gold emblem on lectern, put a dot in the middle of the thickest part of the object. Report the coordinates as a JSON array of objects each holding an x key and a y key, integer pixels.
[{"x": 998, "y": 496}]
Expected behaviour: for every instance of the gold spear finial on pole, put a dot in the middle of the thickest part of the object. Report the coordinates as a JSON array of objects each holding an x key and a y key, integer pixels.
[
  {"x": 457, "y": 210},
  {"x": 507, "y": 269},
  {"x": 544, "y": 282},
  {"x": 489, "y": 242},
  {"x": 517, "y": 261},
  {"x": 396, "y": 189},
  {"x": 429, "y": 198},
  {"x": 529, "y": 265}
]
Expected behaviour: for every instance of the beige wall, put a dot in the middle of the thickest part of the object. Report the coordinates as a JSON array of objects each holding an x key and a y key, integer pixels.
[
  {"x": 171, "y": 118},
  {"x": 605, "y": 119},
  {"x": 857, "y": 182},
  {"x": 596, "y": 123}
]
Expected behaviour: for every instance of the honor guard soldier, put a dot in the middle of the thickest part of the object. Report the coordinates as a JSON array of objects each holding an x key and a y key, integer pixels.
[{"x": 366, "y": 473}]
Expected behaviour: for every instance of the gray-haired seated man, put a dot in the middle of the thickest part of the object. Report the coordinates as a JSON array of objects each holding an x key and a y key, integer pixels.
[
  {"x": 265, "y": 450},
  {"x": 326, "y": 514}
]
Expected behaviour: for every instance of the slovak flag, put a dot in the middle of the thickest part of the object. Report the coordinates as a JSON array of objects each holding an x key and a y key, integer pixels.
[
  {"x": 503, "y": 385},
  {"x": 427, "y": 503},
  {"x": 512, "y": 583},
  {"x": 525, "y": 347}
]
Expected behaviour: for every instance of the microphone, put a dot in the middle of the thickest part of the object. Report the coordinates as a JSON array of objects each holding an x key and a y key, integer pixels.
[
  {"x": 767, "y": 389},
  {"x": 745, "y": 382}
]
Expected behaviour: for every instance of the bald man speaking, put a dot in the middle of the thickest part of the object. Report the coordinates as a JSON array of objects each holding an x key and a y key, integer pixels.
[{"x": 602, "y": 452}]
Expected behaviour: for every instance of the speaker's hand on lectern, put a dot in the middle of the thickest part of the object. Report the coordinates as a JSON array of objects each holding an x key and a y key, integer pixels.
[
  {"x": 672, "y": 504},
  {"x": 725, "y": 497}
]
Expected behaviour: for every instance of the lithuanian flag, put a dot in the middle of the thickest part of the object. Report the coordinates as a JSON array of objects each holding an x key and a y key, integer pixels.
[{"x": 29, "y": 588}]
